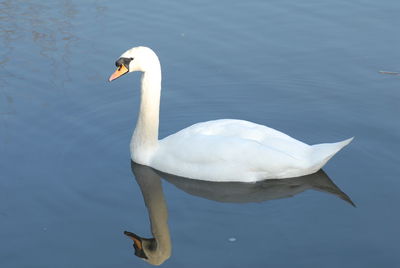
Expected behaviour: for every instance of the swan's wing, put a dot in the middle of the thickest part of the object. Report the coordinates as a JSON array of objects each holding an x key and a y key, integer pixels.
[
  {"x": 236, "y": 150},
  {"x": 212, "y": 157},
  {"x": 237, "y": 128},
  {"x": 249, "y": 131}
]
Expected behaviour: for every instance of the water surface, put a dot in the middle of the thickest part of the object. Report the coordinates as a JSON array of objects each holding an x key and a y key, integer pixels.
[{"x": 309, "y": 69}]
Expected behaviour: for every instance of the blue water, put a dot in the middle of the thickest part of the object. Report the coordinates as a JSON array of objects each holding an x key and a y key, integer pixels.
[{"x": 307, "y": 68}]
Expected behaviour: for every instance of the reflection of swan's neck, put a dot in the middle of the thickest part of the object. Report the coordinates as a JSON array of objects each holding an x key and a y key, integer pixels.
[
  {"x": 158, "y": 249},
  {"x": 145, "y": 136},
  {"x": 159, "y": 225}
]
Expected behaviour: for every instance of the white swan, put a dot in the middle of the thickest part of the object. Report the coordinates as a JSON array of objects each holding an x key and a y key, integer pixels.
[{"x": 220, "y": 150}]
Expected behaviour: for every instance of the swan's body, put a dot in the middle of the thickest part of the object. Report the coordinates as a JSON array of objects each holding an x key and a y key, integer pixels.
[
  {"x": 237, "y": 150},
  {"x": 220, "y": 150}
]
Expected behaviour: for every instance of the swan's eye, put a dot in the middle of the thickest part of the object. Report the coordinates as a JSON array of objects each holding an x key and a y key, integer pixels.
[{"x": 123, "y": 61}]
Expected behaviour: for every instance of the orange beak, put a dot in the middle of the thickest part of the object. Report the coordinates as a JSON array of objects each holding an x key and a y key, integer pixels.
[{"x": 120, "y": 71}]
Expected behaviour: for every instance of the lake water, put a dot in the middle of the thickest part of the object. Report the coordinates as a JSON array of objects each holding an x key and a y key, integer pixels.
[{"x": 307, "y": 68}]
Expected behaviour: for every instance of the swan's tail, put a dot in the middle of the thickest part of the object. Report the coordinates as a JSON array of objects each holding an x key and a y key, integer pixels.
[{"x": 321, "y": 153}]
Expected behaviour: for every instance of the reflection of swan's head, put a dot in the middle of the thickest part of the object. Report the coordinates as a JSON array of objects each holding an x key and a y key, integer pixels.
[
  {"x": 146, "y": 249},
  {"x": 154, "y": 250},
  {"x": 136, "y": 59}
]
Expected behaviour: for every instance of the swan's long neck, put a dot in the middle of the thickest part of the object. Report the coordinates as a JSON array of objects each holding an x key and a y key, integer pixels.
[{"x": 145, "y": 136}]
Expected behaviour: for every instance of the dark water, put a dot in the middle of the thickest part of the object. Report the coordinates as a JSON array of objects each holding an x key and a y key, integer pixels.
[{"x": 307, "y": 68}]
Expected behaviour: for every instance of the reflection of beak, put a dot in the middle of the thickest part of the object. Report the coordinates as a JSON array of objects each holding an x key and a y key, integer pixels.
[
  {"x": 135, "y": 238},
  {"x": 138, "y": 244},
  {"x": 120, "y": 71}
]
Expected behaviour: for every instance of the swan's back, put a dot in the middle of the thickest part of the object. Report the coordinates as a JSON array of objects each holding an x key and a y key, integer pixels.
[{"x": 247, "y": 131}]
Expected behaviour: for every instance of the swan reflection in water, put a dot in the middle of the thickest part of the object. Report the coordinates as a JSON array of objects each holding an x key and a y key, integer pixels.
[{"x": 156, "y": 250}]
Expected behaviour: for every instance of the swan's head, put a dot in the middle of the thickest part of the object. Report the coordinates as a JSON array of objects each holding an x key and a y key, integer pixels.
[
  {"x": 148, "y": 250},
  {"x": 141, "y": 59}
]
